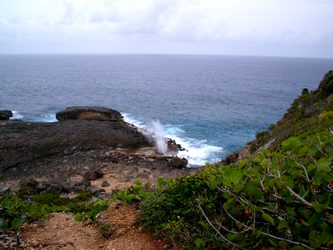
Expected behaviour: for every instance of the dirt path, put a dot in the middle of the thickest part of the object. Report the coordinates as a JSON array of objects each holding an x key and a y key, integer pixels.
[{"x": 62, "y": 232}]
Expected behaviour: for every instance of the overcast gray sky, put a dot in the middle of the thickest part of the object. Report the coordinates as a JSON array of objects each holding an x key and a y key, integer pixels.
[{"x": 237, "y": 27}]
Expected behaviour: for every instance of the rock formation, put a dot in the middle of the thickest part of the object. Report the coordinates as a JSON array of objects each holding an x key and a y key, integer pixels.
[
  {"x": 87, "y": 143},
  {"x": 5, "y": 114},
  {"x": 26, "y": 141},
  {"x": 89, "y": 113}
]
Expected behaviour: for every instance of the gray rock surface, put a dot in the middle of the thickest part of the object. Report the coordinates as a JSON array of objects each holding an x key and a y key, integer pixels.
[{"x": 22, "y": 142}]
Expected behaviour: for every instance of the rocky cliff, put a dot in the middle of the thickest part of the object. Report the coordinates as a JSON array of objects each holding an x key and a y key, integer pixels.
[{"x": 85, "y": 141}]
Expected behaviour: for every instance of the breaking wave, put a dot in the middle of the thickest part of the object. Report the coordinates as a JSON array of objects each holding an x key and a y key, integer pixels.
[{"x": 197, "y": 152}]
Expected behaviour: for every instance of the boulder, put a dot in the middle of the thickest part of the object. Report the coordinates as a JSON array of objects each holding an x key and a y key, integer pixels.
[
  {"x": 5, "y": 114},
  {"x": 177, "y": 162},
  {"x": 29, "y": 184},
  {"x": 93, "y": 174},
  {"x": 105, "y": 184},
  {"x": 89, "y": 113}
]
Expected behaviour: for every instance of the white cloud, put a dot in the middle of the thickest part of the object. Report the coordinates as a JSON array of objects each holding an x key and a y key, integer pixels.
[{"x": 254, "y": 23}]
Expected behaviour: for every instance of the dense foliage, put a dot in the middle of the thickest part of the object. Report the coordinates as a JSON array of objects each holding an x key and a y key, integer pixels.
[{"x": 277, "y": 198}]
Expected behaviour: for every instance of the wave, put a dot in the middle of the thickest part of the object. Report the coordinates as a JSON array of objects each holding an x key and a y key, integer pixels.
[
  {"x": 46, "y": 118},
  {"x": 16, "y": 116},
  {"x": 38, "y": 118},
  {"x": 197, "y": 152}
]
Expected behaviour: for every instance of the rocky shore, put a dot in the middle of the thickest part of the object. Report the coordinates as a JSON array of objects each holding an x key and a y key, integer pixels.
[{"x": 88, "y": 147}]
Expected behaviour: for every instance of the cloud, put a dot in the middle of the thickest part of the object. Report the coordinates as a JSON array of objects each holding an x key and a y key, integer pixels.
[
  {"x": 283, "y": 23},
  {"x": 268, "y": 21}
]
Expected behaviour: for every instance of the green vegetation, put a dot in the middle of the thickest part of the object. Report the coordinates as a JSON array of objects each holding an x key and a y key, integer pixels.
[
  {"x": 133, "y": 194},
  {"x": 301, "y": 117},
  {"x": 105, "y": 230},
  {"x": 280, "y": 197},
  {"x": 28, "y": 206}
]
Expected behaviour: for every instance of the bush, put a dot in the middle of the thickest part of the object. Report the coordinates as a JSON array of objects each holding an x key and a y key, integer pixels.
[{"x": 277, "y": 199}]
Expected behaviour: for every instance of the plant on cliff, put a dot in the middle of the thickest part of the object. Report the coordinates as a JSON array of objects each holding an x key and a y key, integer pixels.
[
  {"x": 134, "y": 193},
  {"x": 29, "y": 206},
  {"x": 277, "y": 198}
]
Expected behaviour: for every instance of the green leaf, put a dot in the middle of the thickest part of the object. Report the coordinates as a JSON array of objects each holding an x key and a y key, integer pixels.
[
  {"x": 314, "y": 219},
  {"x": 313, "y": 151},
  {"x": 79, "y": 217},
  {"x": 238, "y": 187},
  {"x": 314, "y": 239},
  {"x": 199, "y": 244},
  {"x": 268, "y": 218},
  {"x": 273, "y": 243},
  {"x": 265, "y": 163},
  {"x": 16, "y": 223},
  {"x": 256, "y": 160},
  {"x": 293, "y": 143},
  {"x": 242, "y": 163},
  {"x": 283, "y": 224},
  {"x": 212, "y": 182},
  {"x": 326, "y": 235},
  {"x": 252, "y": 189},
  {"x": 5, "y": 226},
  {"x": 236, "y": 176},
  {"x": 231, "y": 236},
  {"x": 317, "y": 207},
  {"x": 324, "y": 165}
]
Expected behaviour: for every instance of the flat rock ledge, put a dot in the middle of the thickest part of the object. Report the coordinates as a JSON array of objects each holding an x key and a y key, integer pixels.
[
  {"x": 87, "y": 147},
  {"x": 89, "y": 113}
]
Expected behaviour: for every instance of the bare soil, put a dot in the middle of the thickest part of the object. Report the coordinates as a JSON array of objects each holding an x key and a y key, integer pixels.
[{"x": 62, "y": 232}]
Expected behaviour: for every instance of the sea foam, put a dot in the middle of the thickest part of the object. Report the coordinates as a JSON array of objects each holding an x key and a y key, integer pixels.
[
  {"x": 197, "y": 152},
  {"x": 16, "y": 115}
]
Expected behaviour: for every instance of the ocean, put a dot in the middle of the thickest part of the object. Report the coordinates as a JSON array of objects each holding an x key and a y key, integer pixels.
[{"x": 211, "y": 105}]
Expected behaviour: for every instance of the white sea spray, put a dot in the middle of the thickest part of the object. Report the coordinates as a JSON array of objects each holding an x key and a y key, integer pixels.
[
  {"x": 197, "y": 152},
  {"x": 157, "y": 133}
]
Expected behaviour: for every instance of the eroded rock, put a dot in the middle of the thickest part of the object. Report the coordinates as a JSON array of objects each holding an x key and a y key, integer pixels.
[
  {"x": 93, "y": 174},
  {"x": 89, "y": 113},
  {"x": 27, "y": 141},
  {"x": 177, "y": 162},
  {"x": 5, "y": 114}
]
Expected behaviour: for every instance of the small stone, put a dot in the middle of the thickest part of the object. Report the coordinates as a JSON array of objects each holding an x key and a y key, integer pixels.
[
  {"x": 93, "y": 174},
  {"x": 55, "y": 189},
  {"x": 34, "y": 243},
  {"x": 42, "y": 186},
  {"x": 177, "y": 163},
  {"x": 105, "y": 184},
  {"x": 96, "y": 191},
  {"x": 30, "y": 183},
  {"x": 4, "y": 190}
]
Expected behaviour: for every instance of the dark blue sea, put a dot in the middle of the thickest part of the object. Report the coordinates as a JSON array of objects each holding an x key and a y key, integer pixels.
[{"x": 212, "y": 105}]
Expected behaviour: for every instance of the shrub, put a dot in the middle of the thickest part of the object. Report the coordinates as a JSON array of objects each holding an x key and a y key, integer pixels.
[{"x": 277, "y": 199}]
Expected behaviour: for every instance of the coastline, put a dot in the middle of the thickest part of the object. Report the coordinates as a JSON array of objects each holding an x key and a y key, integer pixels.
[
  {"x": 99, "y": 153},
  {"x": 74, "y": 147}
]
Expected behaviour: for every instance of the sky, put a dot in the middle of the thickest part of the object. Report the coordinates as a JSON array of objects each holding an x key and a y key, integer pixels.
[{"x": 293, "y": 28}]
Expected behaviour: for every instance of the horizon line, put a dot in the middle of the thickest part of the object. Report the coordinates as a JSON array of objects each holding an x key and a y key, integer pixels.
[{"x": 161, "y": 54}]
